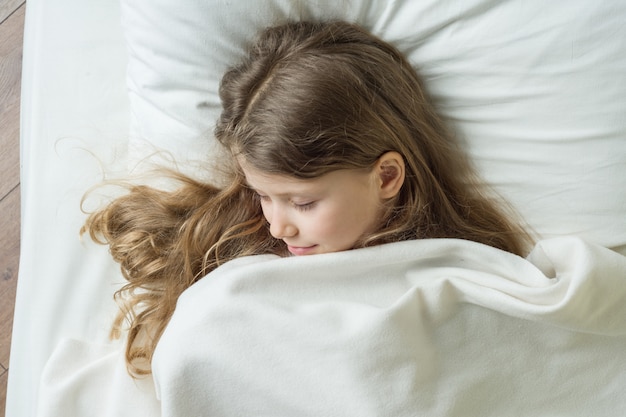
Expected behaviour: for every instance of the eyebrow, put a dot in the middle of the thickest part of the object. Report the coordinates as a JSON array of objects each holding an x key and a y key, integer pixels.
[
  {"x": 256, "y": 190},
  {"x": 280, "y": 194}
]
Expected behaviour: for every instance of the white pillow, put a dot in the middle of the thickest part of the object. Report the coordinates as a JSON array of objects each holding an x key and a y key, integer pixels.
[{"x": 535, "y": 89}]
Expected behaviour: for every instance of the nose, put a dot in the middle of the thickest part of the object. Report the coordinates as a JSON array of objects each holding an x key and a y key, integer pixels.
[{"x": 280, "y": 225}]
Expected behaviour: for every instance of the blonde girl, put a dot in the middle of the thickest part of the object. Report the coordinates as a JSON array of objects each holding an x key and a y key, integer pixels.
[{"x": 334, "y": 145}]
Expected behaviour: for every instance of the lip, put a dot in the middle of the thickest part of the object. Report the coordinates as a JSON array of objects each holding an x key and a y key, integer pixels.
[{"x": 301, "y": 250}]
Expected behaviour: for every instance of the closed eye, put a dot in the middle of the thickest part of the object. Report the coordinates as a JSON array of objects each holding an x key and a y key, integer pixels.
[
  {"x": 304, "y": 206},
  {"x": 298, "y": 206}
]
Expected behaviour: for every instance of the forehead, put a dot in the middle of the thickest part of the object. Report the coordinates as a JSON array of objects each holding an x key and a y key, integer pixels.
[{"x": 279, "y": 184}]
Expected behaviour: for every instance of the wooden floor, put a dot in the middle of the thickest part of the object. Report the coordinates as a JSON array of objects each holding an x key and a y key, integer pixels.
[{"x": 11, "y": 34}]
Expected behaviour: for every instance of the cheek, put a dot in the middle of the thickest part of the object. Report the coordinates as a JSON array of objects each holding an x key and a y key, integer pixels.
[
  {"x": 328, "y": 226},
  {"x": 364, "y": 218},
  {"x": 324, "y": 224},
  {"x": 340, "y": 226}
]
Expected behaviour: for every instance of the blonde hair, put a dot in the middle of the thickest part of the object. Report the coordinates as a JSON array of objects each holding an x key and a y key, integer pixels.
[{"x": 310, "y": 98}]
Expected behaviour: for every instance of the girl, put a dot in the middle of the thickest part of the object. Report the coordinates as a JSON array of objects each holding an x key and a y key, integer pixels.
[{"x": 333, "y": 145}]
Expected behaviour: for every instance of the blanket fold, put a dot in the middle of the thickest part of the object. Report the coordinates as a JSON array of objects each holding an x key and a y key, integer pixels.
[{"x": 437, "y": 327}]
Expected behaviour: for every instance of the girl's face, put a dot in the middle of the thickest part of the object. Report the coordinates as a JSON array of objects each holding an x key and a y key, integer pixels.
[{"x": 321, "y": 215}]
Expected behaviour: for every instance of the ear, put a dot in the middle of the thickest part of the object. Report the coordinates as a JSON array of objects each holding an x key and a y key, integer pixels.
[{"x": 390, "y": 171}]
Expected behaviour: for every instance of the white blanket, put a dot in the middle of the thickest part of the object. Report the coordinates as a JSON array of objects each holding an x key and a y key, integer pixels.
[{"x": 433, "y": 327}]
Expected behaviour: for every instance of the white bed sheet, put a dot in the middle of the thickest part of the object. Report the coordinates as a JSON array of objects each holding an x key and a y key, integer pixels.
[{"x": 74, "y": 102}]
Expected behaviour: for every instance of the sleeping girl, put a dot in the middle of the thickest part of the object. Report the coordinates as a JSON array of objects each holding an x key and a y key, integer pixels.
[{"x": 333, "y": 145}]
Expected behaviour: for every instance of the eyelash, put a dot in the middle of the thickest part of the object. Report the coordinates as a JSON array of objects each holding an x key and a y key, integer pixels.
[
  {"x": 299, "y": 207},
  {"x": 304, "y": 207}
]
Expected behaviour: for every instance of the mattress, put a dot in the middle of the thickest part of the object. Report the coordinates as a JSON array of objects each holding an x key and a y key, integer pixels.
[{"x": 74, "y": 107}]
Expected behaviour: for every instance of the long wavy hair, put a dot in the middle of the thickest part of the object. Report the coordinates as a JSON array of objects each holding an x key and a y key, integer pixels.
[{"x": 310, "y": 98}]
